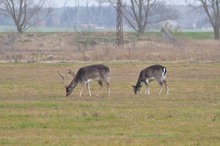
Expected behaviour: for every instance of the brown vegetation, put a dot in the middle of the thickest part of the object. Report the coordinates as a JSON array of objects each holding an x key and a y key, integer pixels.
[{"x": 68, "y": 47}]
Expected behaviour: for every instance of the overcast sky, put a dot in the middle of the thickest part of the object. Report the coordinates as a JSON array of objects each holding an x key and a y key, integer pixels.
[{"x": 61, "y": 3}]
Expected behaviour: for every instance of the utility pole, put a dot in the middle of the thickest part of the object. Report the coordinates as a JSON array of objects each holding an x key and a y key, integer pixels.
[{"x": 119, "y": 24}]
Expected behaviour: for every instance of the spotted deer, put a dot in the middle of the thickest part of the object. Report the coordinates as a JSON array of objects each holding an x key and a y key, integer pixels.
[
  {"x": 154, "y": 72},
  {"x": 98, "y": 72}
]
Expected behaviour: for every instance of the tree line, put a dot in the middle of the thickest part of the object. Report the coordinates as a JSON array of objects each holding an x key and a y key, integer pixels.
[{"x": 138, "y": 14}]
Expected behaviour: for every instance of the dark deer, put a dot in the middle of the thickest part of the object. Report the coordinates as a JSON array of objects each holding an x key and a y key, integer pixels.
[
  {"x": 98, "y": 72},
  {"x": 154, "y": 72}
]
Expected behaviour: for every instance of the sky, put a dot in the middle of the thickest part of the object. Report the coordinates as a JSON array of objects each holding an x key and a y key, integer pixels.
[{"x": 62, "y": 3}]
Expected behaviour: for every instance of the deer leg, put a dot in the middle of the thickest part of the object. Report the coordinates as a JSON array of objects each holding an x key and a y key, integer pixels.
[
  {"x": 106, "y": 80},
  {"x": 161, "y": 87},
  {"x": 108, "y": 88},
  {"x": 88, "y": 88},
  {"x": 100, "y": 87},
  {"x": 147, "y": 88},
  {"x": 166, "y": 86},
  {"x": 81, "y": 91}
]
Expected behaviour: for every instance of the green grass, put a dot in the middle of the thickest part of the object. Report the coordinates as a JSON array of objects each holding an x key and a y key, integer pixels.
[
  {"x": 34, "y": 110},
  {"x": 128, "y": 35},
  {"x": 197, "y": 35}
]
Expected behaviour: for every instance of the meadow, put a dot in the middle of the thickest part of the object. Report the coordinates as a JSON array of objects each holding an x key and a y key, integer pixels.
[{"x": 34, "y": 110}]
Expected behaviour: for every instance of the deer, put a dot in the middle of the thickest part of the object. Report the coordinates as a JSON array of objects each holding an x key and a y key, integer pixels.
[
  {"x": 147, "y": 75},
  {"x": 97, "y": 72}
]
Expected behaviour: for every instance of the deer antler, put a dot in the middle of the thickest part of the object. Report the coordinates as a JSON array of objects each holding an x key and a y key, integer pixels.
[
  {"x": 72, "y": 73},
  {"x": 61, "y": 77}
]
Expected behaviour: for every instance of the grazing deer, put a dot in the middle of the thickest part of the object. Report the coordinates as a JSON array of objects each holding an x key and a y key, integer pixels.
[
  {"x": 86, "y": 74},
  {"x": 154, "y": 72}
]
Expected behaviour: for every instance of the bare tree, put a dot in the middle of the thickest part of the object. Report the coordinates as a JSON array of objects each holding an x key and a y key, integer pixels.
[
  {"x": 25, "y": 13},
  {"x": 212, "y": 10},
  {"x": 140, "y": 13}
]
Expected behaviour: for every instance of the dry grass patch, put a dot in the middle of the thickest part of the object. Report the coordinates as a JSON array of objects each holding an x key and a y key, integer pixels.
[{"x": 37, "y": 47}]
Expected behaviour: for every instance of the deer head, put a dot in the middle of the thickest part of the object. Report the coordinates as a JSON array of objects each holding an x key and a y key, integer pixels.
[{"x": 136, "y": 88}]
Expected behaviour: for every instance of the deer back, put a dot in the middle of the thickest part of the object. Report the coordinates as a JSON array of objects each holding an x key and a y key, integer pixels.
[
  {"x": 153, "y": 72},
  {"x": 92, "y": 72}
]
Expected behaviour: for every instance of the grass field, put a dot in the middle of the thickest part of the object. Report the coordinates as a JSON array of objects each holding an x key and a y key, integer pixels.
[{"x": 34, "y": 110}]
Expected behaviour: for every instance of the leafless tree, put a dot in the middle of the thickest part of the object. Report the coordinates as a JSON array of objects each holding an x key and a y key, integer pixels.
[
  {"x": 212, "y": 10},
  {"x": 140, "y": 13},
  {"x": 25, "y": 13}
]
